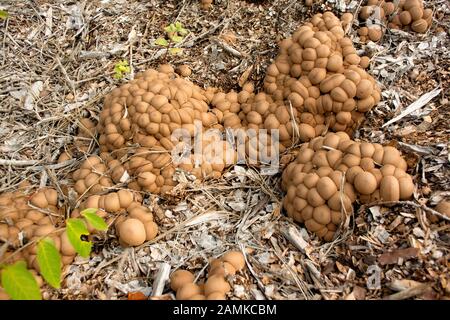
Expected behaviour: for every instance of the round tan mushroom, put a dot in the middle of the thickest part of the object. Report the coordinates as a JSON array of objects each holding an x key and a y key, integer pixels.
[
  {"x": 132, "y": 232},
  {"x": 180, "y": 278}
]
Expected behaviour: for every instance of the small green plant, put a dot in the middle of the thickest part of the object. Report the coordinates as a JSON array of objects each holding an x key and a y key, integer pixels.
[
  {"x": 20, "y": 284},
  {"x": 4, "y": 14},
  {"x": 120, "y": 69},
  {"x": 175, "y": 33}
]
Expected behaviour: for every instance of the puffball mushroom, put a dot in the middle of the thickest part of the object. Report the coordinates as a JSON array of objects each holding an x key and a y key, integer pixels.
[
  {"x": 132, "y": 232},
  {"x": 316, "y": 83},
  {"x": 235, "y": 258},
  {"x": 184, "y": 70},
  {"x": 216, "y": 283},
  {"x": 187, "y": 291},
  {"x": 443, "y": 207},
  {"x": 206, "y": 4},
  {"x": 180, "y": 278},
  {"x": 224, "y": 269}
]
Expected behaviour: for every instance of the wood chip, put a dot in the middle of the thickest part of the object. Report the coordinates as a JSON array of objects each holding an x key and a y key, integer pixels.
[{"x": 393, "y": 256}]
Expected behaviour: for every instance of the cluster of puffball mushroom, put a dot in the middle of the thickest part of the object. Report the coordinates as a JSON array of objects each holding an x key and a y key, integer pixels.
[
  {"x": 24, "y": 219},
  {"x": 216, "y": 286},
  {"x": 406, "y": 15},
  {"x": 317, "y": 83},
  {"x": 133, "y": 221},
  {"x": 330, "y": 173}
]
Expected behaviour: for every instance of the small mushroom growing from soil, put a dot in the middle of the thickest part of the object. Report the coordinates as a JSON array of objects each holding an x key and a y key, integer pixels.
[
  {"x": 235, "y": 258},
  {"x": 206, "y": 4},
  {"x": 132, "y": 232},
  {"x": 187, "y": 291},
  {"x": 216, "y": 283},
  {"x": 179, "y": 278},
  {"x": 184, "y": 70},
  {"x": 443, "y": 207}
]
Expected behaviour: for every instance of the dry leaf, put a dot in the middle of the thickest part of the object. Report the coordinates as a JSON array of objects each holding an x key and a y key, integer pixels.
[
  {"x": 244, "y": 77},
  {"x": 392, "y": 257}
]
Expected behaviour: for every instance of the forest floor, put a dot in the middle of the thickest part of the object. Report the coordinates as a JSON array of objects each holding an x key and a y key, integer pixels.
[{"x": 58, "y": 62}]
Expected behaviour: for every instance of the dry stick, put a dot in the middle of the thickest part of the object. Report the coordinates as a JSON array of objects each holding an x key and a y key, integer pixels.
[
  {"x": 316, "y": 276},
  {"x": 408, "y": 293},
  {"x": 296, "y": 131},
  {"x": 355, "y": 15},
  {"x": 161, "y": 279},
  {"x": 224, "y": 22},
  {"x": 132, "y": 261},
  {"x": 54, "y": 166},
  {"x": 68, "y": 80},
  {"x": 249, "y": 266},
  {"x": 254, "y": 210},
  {"x": 17, "y": 163},
  {"x": 171, "y": 230},
  {"x": 339, "y": 237},
  {"x": 4, "y": 42},
  {"x": 292, "y": 234},
  {"x": 104, "y": 264},
  {"x": 410, "y": 203},
  {"x": 228, "y": 48}
]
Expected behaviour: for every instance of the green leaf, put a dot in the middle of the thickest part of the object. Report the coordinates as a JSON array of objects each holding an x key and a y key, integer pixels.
[
  {"x": 75, "y": 229},
  {"x": 177, "y": 39},
  {"x": 179, "y": 28},
  {"x": 4, "y": 14},
  {"x": 49, "y": 260},
  {"x": 170, "y": 28},
  {"x": 96, "y": 222},
  {"x": 120, "y": 68},
  {"x": 19, "y": 283},
  {"x": 161, "y": 42},
  {"x": 183, "y": 32},
  {"x": 175, "y": 51}
]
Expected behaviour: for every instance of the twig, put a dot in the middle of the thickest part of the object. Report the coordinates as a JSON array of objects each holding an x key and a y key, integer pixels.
[
  {"x": 161, "y": 279},
  {"x": 17, "y": 163},
  {"x": 408, "y": 293},
  {"x": 69, "y": 81},
  {"x": 261, "y": 286},
  {"x": 292, "y": 234},
  {"x": 409, "y": 203},
  {"x": 416, "y": 105}
]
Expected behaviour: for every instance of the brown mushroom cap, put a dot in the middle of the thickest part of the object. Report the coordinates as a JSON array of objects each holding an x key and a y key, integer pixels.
[
  {"x": 389, "y": 189},
  {"x": 187, "y": 291},
  {"x": 132, "y": 232},
  {"x": 235, "y": 258},
  {"x": 216, "y": 283},
  {"x": 180, "y": 278},
  {"x": 365, "y": 183},
  {"x": 443, "y": 207}
]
